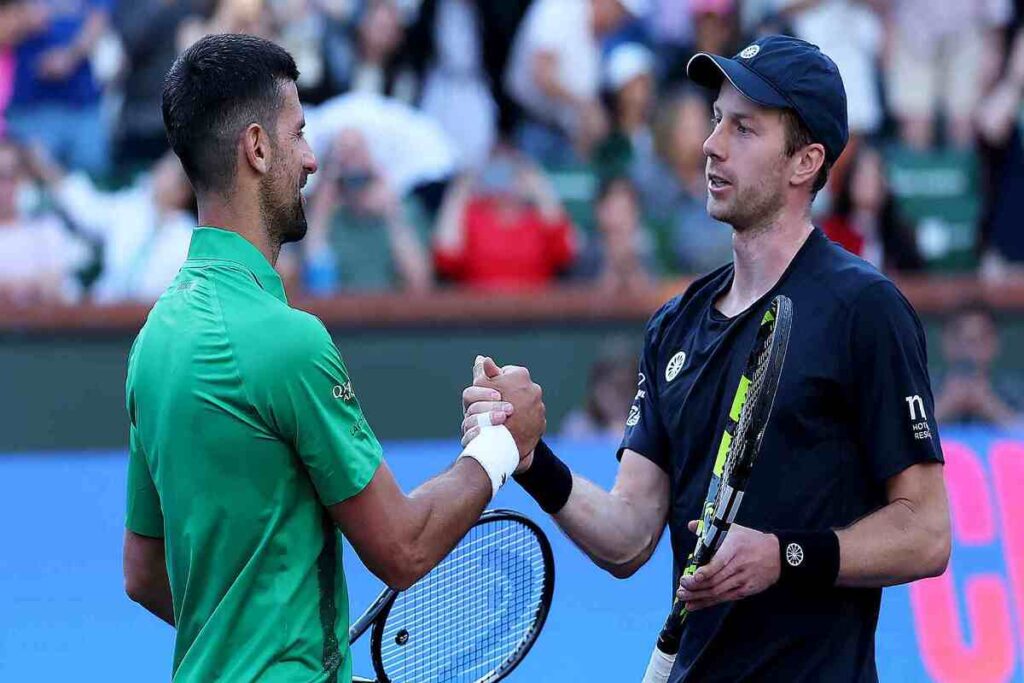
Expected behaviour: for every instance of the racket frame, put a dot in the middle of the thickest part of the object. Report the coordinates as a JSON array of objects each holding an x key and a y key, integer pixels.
[
  {"x": 720, "y": 512},
  {"x": 376, "y": 614}
]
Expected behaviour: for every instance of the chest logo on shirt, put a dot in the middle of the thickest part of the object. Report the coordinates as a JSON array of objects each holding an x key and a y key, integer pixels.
[
  {"x": 344, "y": 391},
  {"x": 675, "y": 365}
]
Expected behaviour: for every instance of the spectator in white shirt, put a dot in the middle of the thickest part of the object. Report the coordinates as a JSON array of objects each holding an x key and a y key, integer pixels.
[
  {"x": 145, "y": 228},
  {"x": 455, "y": 91},
  {"x": 939, "y": 52},
  {"x": 554, "y": 73},
  {"x": 852, "y": 34},
  {"x": 40, "y": 258}
]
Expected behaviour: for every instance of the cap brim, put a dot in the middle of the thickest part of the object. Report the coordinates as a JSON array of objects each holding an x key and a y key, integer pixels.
[{"x": 710, "y": 71}]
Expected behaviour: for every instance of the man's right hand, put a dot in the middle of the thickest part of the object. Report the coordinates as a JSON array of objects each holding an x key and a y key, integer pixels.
[{"x": 527, "y": 421}]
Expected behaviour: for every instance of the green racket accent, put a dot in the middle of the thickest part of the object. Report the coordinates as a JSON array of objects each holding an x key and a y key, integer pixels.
[{"x": 741, "y": 440}]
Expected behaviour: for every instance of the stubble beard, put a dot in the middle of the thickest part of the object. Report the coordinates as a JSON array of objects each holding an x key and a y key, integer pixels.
[
  {"x": 282, "y": 211},
  {"x": 751, "y": 208}
]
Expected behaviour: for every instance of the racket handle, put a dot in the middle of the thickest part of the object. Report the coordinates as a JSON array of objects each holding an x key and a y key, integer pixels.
[{"x": 659, "y": 667}]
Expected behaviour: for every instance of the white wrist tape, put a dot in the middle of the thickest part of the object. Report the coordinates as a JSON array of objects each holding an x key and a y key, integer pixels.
[
  {"x": 496, "y": 451},
  {"x": 483, "y": 420}
]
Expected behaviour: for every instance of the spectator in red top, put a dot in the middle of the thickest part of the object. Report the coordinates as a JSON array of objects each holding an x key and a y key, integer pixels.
[
  {"x": 865, "y": 218},
  {"x": 504, "y": 229}
]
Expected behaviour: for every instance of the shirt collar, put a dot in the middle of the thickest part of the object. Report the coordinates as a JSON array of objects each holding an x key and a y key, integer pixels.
[{"x": 215, "y": 244}]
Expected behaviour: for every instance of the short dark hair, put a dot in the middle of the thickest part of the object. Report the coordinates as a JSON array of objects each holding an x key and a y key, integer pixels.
[
  {"x": 610, "y": 183},
  {"x": 798, "y": 136},
  {"x": 213, "y": 91}
]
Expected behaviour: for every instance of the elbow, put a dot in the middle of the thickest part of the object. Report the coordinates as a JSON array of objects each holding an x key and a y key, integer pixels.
[
  {"x": 403, "y": 568},
  {"x": 135, "y": 588},
  {"x": 625, "y": 566},
  {"x": 400, "y": 579},
  {"x": 939, "y": 548},
  {"x": 622, "y": 571}
]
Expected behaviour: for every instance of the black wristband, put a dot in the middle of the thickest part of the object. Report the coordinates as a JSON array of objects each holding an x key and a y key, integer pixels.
[
  {"x": 548, "y": 481},
  {"x": 808, "y": 558}
]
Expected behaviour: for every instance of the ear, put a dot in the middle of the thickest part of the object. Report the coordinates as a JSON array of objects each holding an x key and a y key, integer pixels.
[
  {"x": 806, "y": 164},
  {"x": 256, "y": 148}
]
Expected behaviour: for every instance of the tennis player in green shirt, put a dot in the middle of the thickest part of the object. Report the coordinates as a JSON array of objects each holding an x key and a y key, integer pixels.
[{"x": 248, "y": 448}]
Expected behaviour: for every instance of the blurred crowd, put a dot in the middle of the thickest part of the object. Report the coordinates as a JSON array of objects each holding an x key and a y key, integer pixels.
[{"x": 501, "y": 144}]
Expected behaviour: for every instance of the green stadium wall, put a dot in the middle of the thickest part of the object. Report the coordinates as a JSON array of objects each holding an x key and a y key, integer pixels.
[{"x": 66, "y": 390}]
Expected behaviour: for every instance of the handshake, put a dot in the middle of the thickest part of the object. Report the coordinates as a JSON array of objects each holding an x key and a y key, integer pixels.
[{"x": 504, "y": 396}]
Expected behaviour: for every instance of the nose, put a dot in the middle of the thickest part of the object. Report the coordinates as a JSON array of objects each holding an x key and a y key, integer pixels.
[
  {"x": 309, "y": 163},
  {"x": 713, "y": 146}
]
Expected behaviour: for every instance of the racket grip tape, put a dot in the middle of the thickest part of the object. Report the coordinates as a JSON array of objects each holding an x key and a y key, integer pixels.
[{"x": 659, "y": 668}]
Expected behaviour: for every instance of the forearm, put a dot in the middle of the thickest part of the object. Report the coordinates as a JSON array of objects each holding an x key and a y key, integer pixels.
[
  {"x": 448, "y": 234},
  {"x": 410, "y": 256},
  {"x": 440, "y": 512},
  {"x": 897, "y": 544},
  {"x": 607, "y": 527},
  {"x": 90, "y": 34}
]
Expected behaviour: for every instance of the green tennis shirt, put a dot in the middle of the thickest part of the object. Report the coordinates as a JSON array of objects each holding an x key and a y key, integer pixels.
[{"x": 244, "y": 426}]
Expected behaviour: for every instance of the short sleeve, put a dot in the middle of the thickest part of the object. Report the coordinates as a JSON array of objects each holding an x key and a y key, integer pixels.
[
  {"x": 645, "y": 432},
  {"x": 889, "y": 385},
  {"x": 547, "y": 24},
  {"x": 303, "y": 390},
  {"x": 144, "y": 516}
]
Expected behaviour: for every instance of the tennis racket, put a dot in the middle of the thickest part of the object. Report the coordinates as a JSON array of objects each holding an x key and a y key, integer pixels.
[
  {"x": 748, "y": 417},
  {"x": 474, "y": 617}
]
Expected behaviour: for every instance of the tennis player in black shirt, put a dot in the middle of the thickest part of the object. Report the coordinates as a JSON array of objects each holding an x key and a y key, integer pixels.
[{"x": 847, "y": 495}]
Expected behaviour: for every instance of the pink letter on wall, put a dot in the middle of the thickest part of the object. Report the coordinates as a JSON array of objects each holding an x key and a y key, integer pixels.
[
  {"x": 945, "y": 650},
  {"x": 1007, "y": 460}
]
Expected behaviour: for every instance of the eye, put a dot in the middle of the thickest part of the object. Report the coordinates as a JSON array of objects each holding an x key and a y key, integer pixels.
[{"x": 741, "y": 129}]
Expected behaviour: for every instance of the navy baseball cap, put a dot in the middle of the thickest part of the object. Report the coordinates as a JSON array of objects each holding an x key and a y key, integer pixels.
[{"x": 786, "y": 73}]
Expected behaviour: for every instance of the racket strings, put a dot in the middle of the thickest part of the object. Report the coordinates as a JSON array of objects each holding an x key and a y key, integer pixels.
[
  {"x": 754, "y": 393},
  {"x": 761, "y": 363},
  {"x": 472, "y": 613}
]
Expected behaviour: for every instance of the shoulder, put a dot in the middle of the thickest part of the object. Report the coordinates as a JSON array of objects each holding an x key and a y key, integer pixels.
[
  {"x": 296, "y": 336},
  {"x": 867, "y": 301},
  {"x": 694, "y": 299},
  {"x": 850, "y": 281},
  {"x": 270, "y": 337}
]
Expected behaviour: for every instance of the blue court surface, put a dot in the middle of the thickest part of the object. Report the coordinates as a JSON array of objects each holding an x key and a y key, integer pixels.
[{"x": 64, "y": 614}]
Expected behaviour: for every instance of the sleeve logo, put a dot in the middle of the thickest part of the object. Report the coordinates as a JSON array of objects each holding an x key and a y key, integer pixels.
[
  {"x": 344, "y": 391},
  {"x": 634, "y": 416},
  {"x": 918, "y": 418},
  {"x": 794, "y": 555}
]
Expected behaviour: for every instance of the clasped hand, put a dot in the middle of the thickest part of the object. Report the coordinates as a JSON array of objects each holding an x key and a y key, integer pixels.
[
  {"x": 509, "y": 397},
  {"x": 746, "y": 563}
]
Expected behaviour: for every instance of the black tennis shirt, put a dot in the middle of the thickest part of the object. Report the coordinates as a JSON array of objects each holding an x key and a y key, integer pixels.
[{"x": 854, "y": 407}]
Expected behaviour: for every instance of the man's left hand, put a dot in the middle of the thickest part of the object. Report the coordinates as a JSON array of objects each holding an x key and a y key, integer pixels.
[{"x": 746, "y": 564}]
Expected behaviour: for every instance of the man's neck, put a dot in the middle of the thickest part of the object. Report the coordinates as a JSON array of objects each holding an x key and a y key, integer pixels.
[
  {"x": 238, "y": 217},
  {"x": 760, "y": 257}
]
